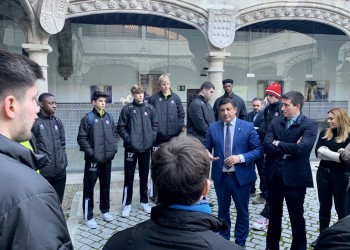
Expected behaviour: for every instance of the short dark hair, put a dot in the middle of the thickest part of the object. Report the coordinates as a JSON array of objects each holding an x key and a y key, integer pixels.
[
  {"x": 227, "y": 81},
  {"x": 97, "y": 94},
  {"x": 17, "y": 73},
  {"x": 207, "y": 85},
  {"x": 226, "y": 101},
  {"x": 43, "y": 96},
  {"x": 258, "y": 99},
  {"x": 180, "y": 169},
  {"x": 295, "y": 98}
]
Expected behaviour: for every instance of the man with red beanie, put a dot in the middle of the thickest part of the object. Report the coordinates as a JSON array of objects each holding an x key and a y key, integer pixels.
[{"x": 272, "y": 110}]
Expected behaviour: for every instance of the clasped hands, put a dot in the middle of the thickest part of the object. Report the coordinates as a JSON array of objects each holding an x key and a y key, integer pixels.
[{"x": 229, "y": 161}]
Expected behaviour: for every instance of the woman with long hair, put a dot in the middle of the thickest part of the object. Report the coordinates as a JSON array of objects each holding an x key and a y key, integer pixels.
[{"x": 332, "y": 174}]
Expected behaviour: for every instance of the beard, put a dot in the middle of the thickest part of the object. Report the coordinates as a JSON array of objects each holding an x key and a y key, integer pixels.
[{"x": 23, "y": 133}]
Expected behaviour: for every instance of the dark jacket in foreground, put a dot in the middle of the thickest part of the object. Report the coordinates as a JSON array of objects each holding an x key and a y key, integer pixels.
[
  {"x": 290, "y": 157},
  {"x": 98, "y": 141},
  {"x": 50, "y": 141},
  {"x": 199, "y": 115},
  {"x": 138, "y": 126},
  {"x": 172, "y": 229},
  {"x": 31, "y": 216},
  {"x": 170, "y": 113},
  {"x": 336, "y": 237}
]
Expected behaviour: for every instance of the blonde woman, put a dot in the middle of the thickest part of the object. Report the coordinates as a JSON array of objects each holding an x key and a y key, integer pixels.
[{"x": 332, "y": 178}]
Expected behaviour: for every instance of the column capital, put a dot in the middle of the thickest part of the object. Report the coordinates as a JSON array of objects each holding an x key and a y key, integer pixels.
[
  {"x": 34, "y": 47},
  {"x": 217, "y": 55}
]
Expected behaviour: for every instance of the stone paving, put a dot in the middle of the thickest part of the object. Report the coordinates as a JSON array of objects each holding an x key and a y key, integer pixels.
[{"x": 85, "y": 238}]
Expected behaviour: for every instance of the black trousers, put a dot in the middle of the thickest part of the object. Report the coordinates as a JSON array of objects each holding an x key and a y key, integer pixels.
[
  {"x": 92, "y": 171},
  {"x": 260, "y": 165},
  {"x": 58, "y": 183},
  {"x": 331, "y": 185},
  {"x": 294, "y": 197},
  {"x": 130, "y": 161},
  {"x": 153, "y": 192}
]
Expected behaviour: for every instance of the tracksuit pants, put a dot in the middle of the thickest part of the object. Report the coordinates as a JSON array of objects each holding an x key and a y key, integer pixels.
[
  {"x": 130, "y": 161},
  {"x": 92, "y": 171}
]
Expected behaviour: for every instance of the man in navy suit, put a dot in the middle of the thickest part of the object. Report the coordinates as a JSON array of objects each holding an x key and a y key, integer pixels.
[
  {"x": 236, "y": 146},
  {"x": 287, "y": 145},
  {"x": 257, "y": 118}
]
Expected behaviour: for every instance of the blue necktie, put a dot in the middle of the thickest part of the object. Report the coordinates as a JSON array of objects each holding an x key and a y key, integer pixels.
[{"x": 227, "y": 143}]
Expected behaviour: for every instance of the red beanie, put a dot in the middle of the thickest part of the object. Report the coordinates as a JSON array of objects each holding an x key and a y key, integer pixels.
[{"x": 274, "y": 89}]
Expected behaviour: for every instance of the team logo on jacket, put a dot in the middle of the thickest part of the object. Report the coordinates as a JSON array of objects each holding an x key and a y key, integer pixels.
[
  {"x": 107, "y": 122},
  {"x": 146, "y": 113},
  {"x": 42, "y": 126},
  {"x": 56, "y": 127},
  {"x": 134, "y": 111},
  {"x": 96, "y": 120},
  {"x": 160, "y": 99},
  {"x": 172, "y": 101},
  {"x": 277, "y": 114}
]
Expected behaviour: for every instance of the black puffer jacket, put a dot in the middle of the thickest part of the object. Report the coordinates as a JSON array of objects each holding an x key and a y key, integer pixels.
[
  {"x": 199, "y": 115},
  {"x": 173, "y": 229},
  {"x": 31, "y": 216},
  {"x": 98, "y": 140},
  {"x": 50, "y": 141},
  {"x": 170, "y": 113},
  {"x": 270, "y": 112},
  {"x": 138, "y": 126}
]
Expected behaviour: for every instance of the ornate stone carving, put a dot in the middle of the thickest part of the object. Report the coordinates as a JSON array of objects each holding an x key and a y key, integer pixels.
[
  {"x": 71, "y": 9},
  {"x": 167, "y": 8},
  {"x": 145, "y": 5},
  {"x": 246, "y": 18},
  {"x": 345, "y": 22},
  {"x": 201, "y": 21},
  {"x": 335, "y": 18},
  {"x": 98, "y": 5},
  {"x": 317, "y": 13},
  {"x": 267, "y": 13},
  {"x": 53, "y": 15},
  {"x": 64, "y": 45},
  {"x": 112, "y": 4},
  {"x": 257, "y": 15},
  {"x": 221, "y": 27},
  {"x": 155, "y": 6},
  {"x": 326, "y": 15},
  {"x": 297, "y": 12},
  {"x": 179, "y": 12},
  {"x": 133, "y": 4},
  {"x": 278, "y": 12},
  {"x": 84, "y": 6},
  {"x": 307, "y": 12},
  {"x": 288, "y": 12},
  {"x": 190, "y": 16},
  {"x": 123, "y": 4}
]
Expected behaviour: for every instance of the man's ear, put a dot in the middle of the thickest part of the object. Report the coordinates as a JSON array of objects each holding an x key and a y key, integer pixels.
[
  {"x": 206, "y": 188},
  {"x": 9, "y": 105}
]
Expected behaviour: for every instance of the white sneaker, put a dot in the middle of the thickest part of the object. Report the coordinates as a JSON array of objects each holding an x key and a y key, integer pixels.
[
  {"x": 107, "y": 216},
  {"x": 126, "y": 211},
  {"x": 145, "y": 207},
  {"x": 91, "y": 223},
  {"x": 261, "y": 224}
]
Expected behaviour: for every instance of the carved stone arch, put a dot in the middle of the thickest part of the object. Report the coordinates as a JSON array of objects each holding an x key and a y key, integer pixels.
[
  {"x": 299, "y": 57},
  {"x": 113, "y": 61},
  {"x": 181, "y": 63},
  {"x": 321, "y": 13},
  {"x": 262, "y": 64},
  {"x": 237, "y": 63},
  {"x": 179, "y": 11},
  {"x": 14, "y": 11}
]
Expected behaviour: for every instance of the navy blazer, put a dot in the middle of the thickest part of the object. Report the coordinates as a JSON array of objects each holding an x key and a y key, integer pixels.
[
  {"x": 245, "y": 141},
  {"x": 259, "y": 119},
  {"x": 296, "y": 168}
]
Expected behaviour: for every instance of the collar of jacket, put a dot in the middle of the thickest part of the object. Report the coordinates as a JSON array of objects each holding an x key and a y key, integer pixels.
[
  {"x": 185, "y": 220},
  {"x": 138, "y": 104},
  {"x": 42, "y": 116},
  {"x": 21, "y": 153}
]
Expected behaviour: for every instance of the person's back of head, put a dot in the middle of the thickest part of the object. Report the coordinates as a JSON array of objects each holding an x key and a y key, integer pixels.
[{"x": 180, "y": 171}]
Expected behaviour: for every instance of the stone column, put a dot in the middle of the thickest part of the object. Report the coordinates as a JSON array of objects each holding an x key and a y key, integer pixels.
[
  {"x": 215, "y": 71},
  {"x": 38, "y": 53}
]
